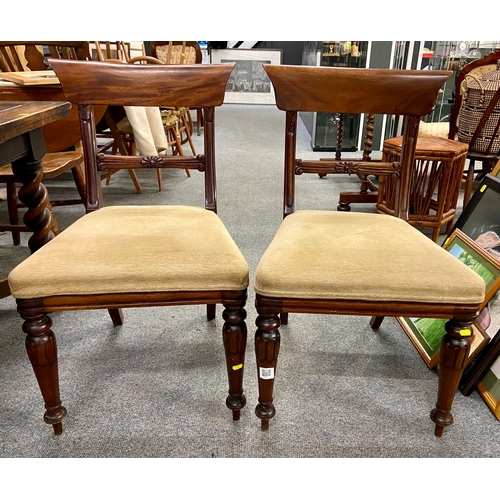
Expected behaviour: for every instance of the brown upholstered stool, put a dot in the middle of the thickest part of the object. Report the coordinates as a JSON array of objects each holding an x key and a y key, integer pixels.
[{"x": 434, "y": 185}]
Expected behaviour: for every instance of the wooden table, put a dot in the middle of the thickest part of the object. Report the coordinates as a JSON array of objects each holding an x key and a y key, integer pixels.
[
  {"x": 60, "y": 135},
  {"x": 22, "y": 144}
]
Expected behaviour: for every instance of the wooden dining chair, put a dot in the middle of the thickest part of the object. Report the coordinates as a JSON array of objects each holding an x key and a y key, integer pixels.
[
  {"x": 316, "y": 262},
  {"x": 136, "y": 256}
]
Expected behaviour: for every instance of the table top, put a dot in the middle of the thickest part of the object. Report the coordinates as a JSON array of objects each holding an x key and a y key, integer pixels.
[{"x": 17, "y": 118}]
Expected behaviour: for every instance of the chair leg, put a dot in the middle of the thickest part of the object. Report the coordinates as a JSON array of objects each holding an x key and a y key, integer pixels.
[
  {"x": 376, "y": 321},
  {"x": 284, "y": 318},
  {"x": 116, "y": 316},
  {"x": 469, "y": 179},
  {"x": 177, "y": 147},
  {"x": 435, "y": 234},
  {"x": 234, "y": 335},
  {"x": 159, "y": 176},
  {"x": 267, "y": 346},
  {"x": 12, "y": 210},
  {"x": 135, "y": 180},
  {"x": 42, "y": 352},
  {"x": 455, "y": 348},
  {"x": 211, "y": 309}
]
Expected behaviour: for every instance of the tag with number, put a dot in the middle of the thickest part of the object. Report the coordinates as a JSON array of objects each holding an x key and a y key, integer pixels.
[{"x": 266, "y": 373}]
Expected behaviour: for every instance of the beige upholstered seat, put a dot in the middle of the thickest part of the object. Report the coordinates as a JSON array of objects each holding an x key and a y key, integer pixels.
[
  {"x": 367, "y": 264},
  {"x": 161, "y": 248},
  {"x": 316, "y": 255}
]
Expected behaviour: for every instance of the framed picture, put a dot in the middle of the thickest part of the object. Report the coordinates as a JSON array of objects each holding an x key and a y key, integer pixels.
[
  {"x": 480, "y": 219},
  {"x": 427, "y": 333},
  {"x": 426, "y": 337},
  {"x": 495, "y": 172},
  {"x": 481, "y": 222},
  {"x": 478, "y": 368},
  {"x": 489, "y": 388},
  {"x": 248, "y": 83}
]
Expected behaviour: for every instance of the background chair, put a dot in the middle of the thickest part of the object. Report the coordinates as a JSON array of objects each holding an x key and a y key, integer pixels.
[
  {"x": 316, "y": 262},
  {"x": 61, "y": 156},
  {"x": 176, "y": 52},
  {"x": 449, "y": 129},
  {"x": 136, "y": 256},
  {"x": 118, "y": 121}
]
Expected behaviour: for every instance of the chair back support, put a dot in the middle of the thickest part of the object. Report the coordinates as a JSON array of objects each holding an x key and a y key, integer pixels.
[
  {"x": 411, "y": 94},
  {"x": 97, "y": 83},
  {"x": 22, "y": 56}
]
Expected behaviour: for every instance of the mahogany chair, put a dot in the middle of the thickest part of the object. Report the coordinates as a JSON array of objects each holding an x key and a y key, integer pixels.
[
  {"x": 136, "y": 256},
  {"x": 316, "y": 261},
  {"x": 449, "y": 129},
  {"x": 31, "y": 56}
]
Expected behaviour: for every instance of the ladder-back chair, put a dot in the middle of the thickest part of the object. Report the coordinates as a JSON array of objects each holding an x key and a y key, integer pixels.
[
  {"x": 136, "y": 256},
  {"x": 317, "y": 260}
]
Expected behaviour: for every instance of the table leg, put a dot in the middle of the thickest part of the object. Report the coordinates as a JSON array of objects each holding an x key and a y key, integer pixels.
[{"x": 34, "y": 195}]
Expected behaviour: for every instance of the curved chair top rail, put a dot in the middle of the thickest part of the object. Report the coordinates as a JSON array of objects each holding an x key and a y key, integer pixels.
[
  {"x": 356, "y": 90},
  {"x": 123, "y": 84}
]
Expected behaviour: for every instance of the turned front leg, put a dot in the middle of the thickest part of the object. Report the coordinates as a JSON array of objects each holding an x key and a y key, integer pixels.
[
  {"x": 267, "y": 345},
  {"x": 234, "y": 334},
  {"x": 42, "y": 352},
  {"x": 455, "y": 348}
]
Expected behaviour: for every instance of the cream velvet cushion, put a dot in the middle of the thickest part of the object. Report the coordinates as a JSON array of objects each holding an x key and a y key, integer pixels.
[
  {"x": 134, "y": 249},
  {"x": 339, "y": 255}
]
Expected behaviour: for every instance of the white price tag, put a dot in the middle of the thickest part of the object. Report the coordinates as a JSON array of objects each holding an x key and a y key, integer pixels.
[{"x": 266, "y": 373}]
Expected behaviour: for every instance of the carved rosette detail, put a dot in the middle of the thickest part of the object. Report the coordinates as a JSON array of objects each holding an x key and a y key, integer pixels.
[{"x": 152, "y": 161}]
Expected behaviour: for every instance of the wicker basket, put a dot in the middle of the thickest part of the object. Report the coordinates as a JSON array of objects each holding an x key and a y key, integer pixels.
[{"x": 480, "y": 92}]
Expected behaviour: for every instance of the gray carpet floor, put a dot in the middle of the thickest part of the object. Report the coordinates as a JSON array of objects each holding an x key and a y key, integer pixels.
[{"x": 156, "y": 386}]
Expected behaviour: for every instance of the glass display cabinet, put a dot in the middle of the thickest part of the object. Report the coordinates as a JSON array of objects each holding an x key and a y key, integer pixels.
[{"x": 323, "y": 126}]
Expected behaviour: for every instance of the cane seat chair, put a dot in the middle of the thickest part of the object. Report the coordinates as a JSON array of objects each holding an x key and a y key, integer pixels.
[
  {"x": 316, "y": 261},
  {"x": 135, "y": 256}
]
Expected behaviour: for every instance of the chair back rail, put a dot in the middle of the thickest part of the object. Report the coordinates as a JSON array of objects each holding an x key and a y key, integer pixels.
[
  {"x": 116, "y": 84},
  {"x": 356, "y": 90},
  {"x": 93, "y": 83},
  {"x": 352, "y": 90}
]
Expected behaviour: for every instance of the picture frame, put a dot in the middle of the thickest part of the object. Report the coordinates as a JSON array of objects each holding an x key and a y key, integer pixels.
[
  {"x": 480, "y": 220},
  {"x": 489, "y": 387},
  {"x": 248, "y": 82},
  {"x": 478, "y": 368},
  {"x": 495, "y": 172},
  {"x": 426, "y": 333},
  {"x": 430, "y": 352}
]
